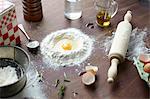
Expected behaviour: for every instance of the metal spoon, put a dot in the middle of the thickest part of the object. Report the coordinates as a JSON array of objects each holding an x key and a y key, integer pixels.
[{"x": 32, "y": 44}]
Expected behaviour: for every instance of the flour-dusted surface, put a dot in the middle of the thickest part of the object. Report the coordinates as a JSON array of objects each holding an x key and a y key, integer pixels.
[
  {"x": 33, "y": 88},
  {"x": 136, "y": 45},
  {"x": 56, "y": 56},
  {"x": 8, "y": 76}
]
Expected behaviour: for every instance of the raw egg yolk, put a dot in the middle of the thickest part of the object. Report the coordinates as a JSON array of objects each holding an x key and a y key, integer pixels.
[{"x": 67, "y": 45}]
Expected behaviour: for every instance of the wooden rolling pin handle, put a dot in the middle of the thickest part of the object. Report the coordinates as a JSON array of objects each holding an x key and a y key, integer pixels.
[
  {"x": 128, "y": 16},
  {"x": 112, "y": 72}
]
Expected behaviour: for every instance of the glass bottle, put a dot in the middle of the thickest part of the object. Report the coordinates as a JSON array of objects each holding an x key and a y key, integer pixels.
[{"x": 32, "y": 10}]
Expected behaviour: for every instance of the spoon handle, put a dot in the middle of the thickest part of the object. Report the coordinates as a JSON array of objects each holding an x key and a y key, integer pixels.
[{"x": 20, "y": 26}]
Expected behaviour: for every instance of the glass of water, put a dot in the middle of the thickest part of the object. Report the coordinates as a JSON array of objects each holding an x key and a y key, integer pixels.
[{"x": 73, "y": 9}]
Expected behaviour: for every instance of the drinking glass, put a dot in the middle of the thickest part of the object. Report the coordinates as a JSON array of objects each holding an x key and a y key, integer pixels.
[{"x": 105, "y": 9}]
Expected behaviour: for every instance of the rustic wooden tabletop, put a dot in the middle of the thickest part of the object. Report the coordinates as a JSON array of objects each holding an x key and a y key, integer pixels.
[{"x": 128, "y": 84}]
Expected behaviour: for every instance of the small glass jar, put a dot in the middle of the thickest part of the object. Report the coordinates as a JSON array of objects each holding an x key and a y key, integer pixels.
[{"x": 106, "y": 9}]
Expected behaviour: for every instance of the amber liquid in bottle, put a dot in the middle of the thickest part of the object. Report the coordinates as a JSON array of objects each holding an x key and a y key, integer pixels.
[{"x": 103, "y": 18}]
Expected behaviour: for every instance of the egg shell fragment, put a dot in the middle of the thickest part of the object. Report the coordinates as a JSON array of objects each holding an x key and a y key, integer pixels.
[
  {"x": 144, "y": 58},
  {"x": 94, "y": 68},
  {"x": 88, "y": 78}
]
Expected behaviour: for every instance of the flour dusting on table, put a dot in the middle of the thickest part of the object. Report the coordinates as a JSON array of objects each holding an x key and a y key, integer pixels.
[
  {"x": 8, "y": 75},
  {"x": 57, "y": 56},
  {"x": 136, "y": 44}
]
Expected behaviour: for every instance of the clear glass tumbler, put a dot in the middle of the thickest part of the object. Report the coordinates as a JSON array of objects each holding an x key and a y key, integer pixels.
[{"x": 73, "y": 9}]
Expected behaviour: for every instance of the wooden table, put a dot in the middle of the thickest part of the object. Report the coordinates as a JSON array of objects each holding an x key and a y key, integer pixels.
[{"x": 128, "y": 84}]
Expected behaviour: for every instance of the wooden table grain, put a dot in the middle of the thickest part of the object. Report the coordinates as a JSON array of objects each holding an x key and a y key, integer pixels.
[{"x": 128, "y": 84}]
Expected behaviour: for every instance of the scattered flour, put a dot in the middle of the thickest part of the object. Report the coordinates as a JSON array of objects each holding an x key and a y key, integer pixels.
[
  {"x": 33, "y": 88},
  {"x": 7, "y": 76},
  {"x": 56, "y": 56},
  {"x": 136, "y": 44}
]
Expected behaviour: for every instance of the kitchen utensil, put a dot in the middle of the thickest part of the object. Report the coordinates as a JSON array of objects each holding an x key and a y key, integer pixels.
[
  {"x": 20, "y": 56},
  {"x": 32, "y": 44}
]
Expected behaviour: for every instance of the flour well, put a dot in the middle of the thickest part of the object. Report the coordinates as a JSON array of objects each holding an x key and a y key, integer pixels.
[
  {"x": 79, "y": 49},
  {"x": 7, "y": 76}
]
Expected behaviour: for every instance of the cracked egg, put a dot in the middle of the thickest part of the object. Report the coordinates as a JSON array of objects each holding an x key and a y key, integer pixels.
[{"x": 67, "y": 46}]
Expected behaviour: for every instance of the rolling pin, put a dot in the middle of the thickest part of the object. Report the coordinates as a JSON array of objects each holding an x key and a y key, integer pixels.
[{"x": 119, "y": 46}]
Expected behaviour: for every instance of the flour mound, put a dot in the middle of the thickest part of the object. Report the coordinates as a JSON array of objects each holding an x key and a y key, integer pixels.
[
  {"x": 56, "y": 56},
  {"x": 8, "y": 76}
]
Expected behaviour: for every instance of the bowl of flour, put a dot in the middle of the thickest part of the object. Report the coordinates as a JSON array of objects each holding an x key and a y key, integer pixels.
[{"x": 14, "y": 62}]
